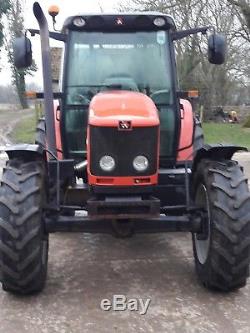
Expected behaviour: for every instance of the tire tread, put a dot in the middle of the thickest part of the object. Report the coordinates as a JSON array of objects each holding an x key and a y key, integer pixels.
[
  {"x": 227, "y": 265},
  {"x": 22, "y": 237}
]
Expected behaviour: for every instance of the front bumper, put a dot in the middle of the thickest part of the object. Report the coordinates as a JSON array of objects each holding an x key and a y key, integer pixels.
[
  {"x": 124, "y": 216},
  {"x": 123, "y": 207},
  {"x": 159, "y": 224}
]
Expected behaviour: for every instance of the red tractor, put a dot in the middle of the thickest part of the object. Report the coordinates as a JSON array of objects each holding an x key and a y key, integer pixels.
[{"x": 120, "y": 143}]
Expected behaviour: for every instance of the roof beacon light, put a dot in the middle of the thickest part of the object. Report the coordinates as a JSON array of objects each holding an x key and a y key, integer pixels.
[
  {"x": 79, "y": 22},
  {"x": 159, "y": 22},
  {"x": 53, "y": 11}
]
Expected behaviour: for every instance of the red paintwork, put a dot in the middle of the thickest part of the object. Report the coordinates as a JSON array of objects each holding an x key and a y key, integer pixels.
[
  {"x": 123, "y": 181},
  {"x": 107, "y": 109},
  {"x": 187, "y": 129}
]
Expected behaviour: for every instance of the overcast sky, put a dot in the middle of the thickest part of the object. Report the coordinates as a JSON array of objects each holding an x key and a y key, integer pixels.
[{"x": 67, "y": 8}]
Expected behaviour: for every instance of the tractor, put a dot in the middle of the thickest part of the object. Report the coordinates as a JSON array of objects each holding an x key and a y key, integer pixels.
[{"x": 120, "y": 151}]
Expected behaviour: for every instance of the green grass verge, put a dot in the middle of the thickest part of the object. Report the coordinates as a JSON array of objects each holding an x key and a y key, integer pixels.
[
  {"x": 24, "y": 131},
  {"x": 226, "y": 133}
]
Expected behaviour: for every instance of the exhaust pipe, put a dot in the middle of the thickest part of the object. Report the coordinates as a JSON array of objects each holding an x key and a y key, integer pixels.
[
  {"x": 80, "y": 168},
  {"x": 47, "y": 78}
]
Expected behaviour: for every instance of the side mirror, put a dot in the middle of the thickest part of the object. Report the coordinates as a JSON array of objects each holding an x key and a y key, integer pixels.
[
  {"x": 217, "y": 49},
  {"x": 22, "y": 52}
]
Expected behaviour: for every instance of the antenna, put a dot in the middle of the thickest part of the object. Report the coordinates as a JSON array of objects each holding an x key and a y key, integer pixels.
[{"x": 100, "y": 6}]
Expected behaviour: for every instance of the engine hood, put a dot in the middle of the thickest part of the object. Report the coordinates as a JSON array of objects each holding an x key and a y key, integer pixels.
[{"x": 111, "y": 108}]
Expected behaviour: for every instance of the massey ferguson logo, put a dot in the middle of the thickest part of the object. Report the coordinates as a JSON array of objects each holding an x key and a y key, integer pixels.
[
  {"x": 125, "y": 125},
  {"x": 119, "y": 21}
]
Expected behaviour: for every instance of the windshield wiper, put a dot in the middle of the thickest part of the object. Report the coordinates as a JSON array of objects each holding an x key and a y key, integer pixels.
[{"x": 111, "y": 86}]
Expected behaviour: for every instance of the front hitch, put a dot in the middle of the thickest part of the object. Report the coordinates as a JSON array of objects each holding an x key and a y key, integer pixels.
[{"x": 123, "y": 228}]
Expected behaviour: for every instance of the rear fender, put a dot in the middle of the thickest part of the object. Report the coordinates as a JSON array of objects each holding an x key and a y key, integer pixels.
[{"x": 216, "y": 152}]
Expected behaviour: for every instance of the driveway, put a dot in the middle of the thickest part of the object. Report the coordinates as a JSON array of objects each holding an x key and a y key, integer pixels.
[{"x": 84, "y": 269}]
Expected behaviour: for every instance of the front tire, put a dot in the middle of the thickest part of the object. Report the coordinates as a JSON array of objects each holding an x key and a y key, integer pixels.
[
  {"x": 23, "y": 241},
  {"x": 40, "y": 137},
  {"x": 222, "y": 251}
]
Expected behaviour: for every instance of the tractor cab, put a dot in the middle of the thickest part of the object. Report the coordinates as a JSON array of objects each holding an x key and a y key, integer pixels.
[{"x": 110, "y": 53}]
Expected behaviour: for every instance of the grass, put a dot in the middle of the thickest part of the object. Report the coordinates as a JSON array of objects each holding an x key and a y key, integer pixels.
[
  {"x": 227, "y": 133},
  {"x": 24, "y": 131}
]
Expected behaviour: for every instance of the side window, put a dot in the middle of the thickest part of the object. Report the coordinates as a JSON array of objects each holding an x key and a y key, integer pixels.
[
  {"x": 167, "y": 131},
  {"x": 76, "y": 122}
]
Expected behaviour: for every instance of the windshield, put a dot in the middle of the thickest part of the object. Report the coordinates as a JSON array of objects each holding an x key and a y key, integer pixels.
[{"x": 109, "y": 61}]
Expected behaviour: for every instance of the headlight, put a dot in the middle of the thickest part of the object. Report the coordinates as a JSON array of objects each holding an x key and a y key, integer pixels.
[
  {"x": 79, "y": 22},
  {"x": 107, "y": 163},
  {"x": 140, "y": 163},
  {"x": 159, "y": 22}
]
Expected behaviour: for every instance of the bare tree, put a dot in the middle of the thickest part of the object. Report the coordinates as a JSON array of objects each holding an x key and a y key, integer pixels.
[
  {"x": 244, "y": 6},
  {"x": 4, "y": 8},
  {"x": 216, "y": 83},
  {"x": 16, "y": 29},
  {"x": 241, "y": 9}
]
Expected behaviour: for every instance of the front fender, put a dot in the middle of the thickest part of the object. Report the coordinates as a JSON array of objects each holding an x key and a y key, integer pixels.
[
  {"x": 25, "y": 151},
  {"x": 216, "y": 152}
]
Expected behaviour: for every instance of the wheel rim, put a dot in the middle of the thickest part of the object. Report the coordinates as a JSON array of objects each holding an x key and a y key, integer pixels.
[{"x": 202, "y": 245}]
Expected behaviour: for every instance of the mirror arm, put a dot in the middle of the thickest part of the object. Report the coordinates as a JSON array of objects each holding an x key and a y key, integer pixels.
[
  {"x": 56, "y": 95},
  {"x": 54, "y": 35},
  {"x": 185, "y": 33}
]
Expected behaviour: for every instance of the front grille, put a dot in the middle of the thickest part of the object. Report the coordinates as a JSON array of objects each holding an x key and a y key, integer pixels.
[{"x": 123, "y": 146}]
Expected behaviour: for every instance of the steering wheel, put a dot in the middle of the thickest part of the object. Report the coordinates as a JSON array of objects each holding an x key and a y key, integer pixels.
[
  {"x": 126, "y": 82},
  {"x": 160, "y": 96},
  {"x": 80, "y": 99}
]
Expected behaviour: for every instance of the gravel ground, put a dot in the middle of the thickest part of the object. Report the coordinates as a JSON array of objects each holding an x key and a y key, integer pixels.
[{"x": 84, "y": 269}]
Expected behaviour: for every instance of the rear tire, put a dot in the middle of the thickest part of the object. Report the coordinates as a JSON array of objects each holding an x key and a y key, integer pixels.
[
  {"x": 222, "y": 257},
  {"x": 23, "y": 241}
]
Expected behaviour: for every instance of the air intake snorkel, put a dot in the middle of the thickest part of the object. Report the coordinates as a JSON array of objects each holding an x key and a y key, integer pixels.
[{"x": 47, "y": 78}]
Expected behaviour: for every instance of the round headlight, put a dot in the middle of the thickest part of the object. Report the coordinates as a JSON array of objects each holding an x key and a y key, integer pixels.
[
  {"x": 79, "y": 22},
  {"x": 107, "y": 163},
  {"x": 140, "y": 163},
  {"x": 159, "y": 22}
]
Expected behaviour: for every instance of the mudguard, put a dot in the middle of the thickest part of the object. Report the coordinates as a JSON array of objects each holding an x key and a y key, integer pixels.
[
  {"x": 216, "y": 152},
  {"x": 24, "y": 151}
]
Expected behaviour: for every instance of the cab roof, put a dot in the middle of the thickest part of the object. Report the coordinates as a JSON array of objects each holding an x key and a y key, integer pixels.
[{"x": 115, "y": 22}]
